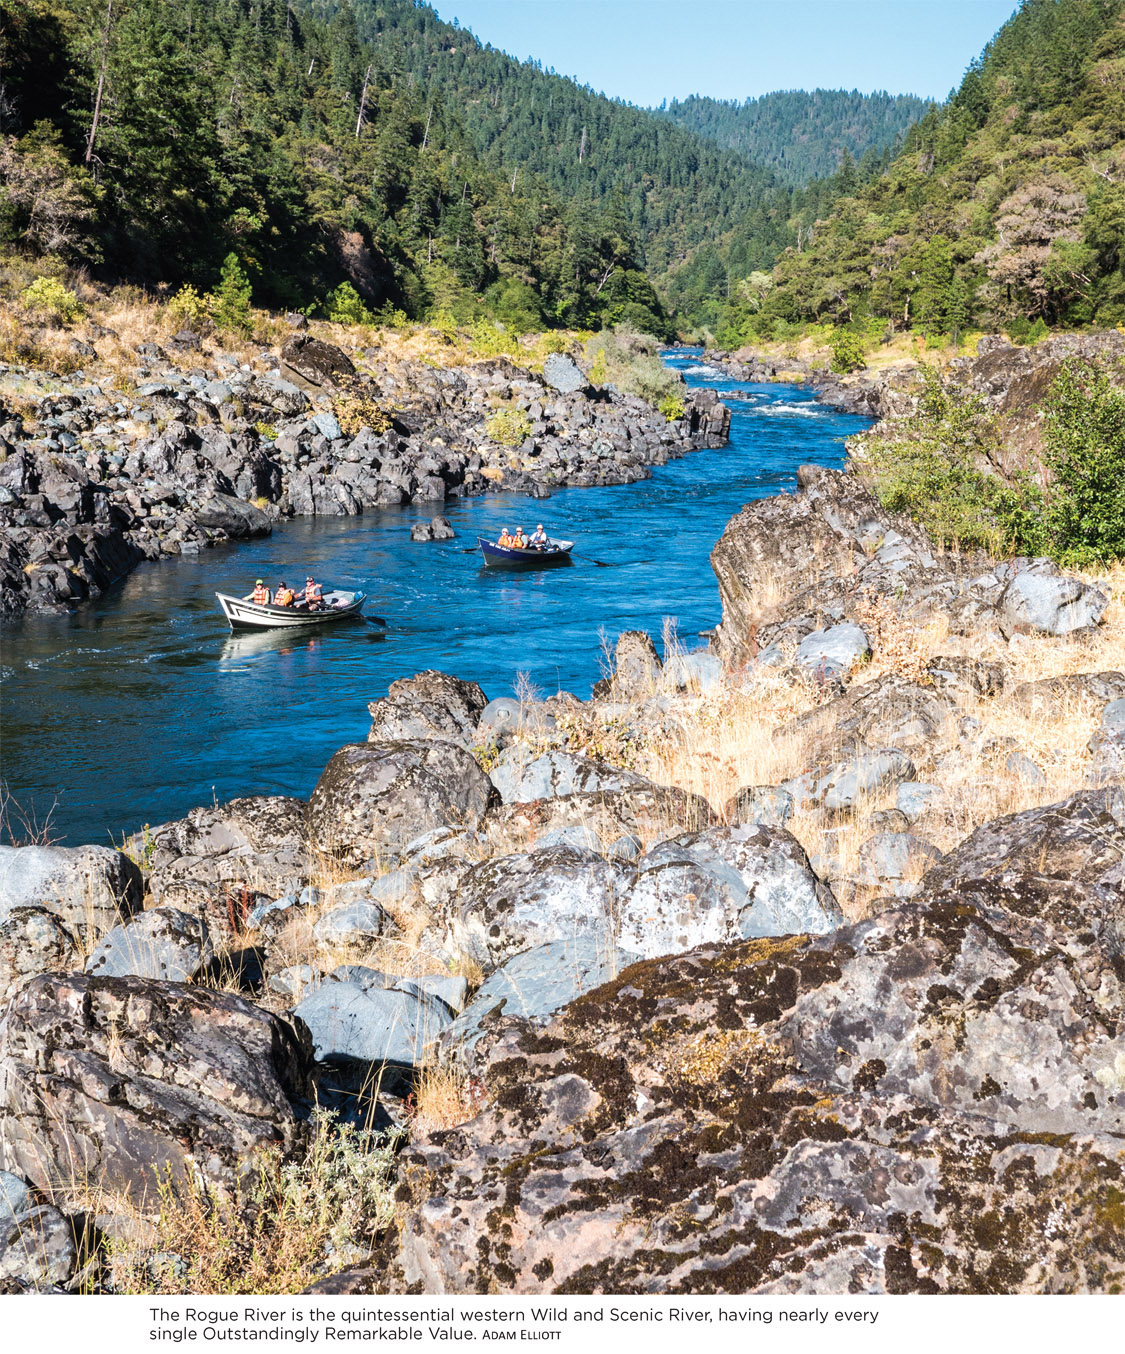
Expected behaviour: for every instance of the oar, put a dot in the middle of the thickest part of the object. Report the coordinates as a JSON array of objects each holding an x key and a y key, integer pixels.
[{"x": 601, "y": 563}]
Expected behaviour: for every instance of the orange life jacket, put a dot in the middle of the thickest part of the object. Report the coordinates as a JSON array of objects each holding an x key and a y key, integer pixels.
[
  {"x": 261, "y": 595},
  {"x": 284, "y": 597}
]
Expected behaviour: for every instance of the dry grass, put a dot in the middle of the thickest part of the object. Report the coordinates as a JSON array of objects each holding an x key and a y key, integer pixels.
[
  {"x": 444, "y": 1096},
  {"x": 291, "y": 1223}
]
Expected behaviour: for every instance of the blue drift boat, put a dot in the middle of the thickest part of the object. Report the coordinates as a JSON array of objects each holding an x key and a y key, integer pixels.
[{"x": 543, "y": 557}]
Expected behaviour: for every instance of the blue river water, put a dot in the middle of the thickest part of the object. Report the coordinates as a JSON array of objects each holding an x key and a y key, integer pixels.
[{"x": 142, "y": 705}]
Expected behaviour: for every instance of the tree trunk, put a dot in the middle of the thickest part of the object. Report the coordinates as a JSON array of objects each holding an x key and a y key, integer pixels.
[{"x": 90, "y": 140}]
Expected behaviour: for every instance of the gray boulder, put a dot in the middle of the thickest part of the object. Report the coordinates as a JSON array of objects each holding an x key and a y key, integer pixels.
[
  {"x": 830, "y": 653},
  {"x": 1040, "y": 599},
  {"x": 437, "y": 529},
  {"x": 351, "y": 1023},
  {"x": 1107, "y": 747},
  {"x": 504, "y": 717},
  {"x": 539, "y": 982},
  {"x": 356, "y": 923},
  {"x": 562, "y": 373},
  {"x": 233, "y": 516},
  {"x": 760, "y": 804},
  {"x": 32, "y": 941},
  {"x": 428, "y": 705},
  {"x": 893, "y": 863},
  {"x": 125, "y": 1081},
  {"x": 701, "y": 672},
  {"x": 636, "y": 668},
  {"x": 521, "y": 777},
  {"x": 375, "y": 796},
  {"x": 160, "y": 943},
  {"x": 1080, "y": 692},
  {"x": 724, "y": 885},
  {"x": 89, "y": 888},
  {"x": 37, "y": 1244},
  {"x": 211, "y": 861},
  {"x": 842, "y": 786},
  {"x": 511, "y": 903},
  {"x": 913, "y": 798}
]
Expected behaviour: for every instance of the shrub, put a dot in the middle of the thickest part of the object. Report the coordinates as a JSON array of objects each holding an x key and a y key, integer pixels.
[
  {"x": 345, "y": 306},
  {"x": 187, "y": 307},
  {"x": 444, "y": 323},
  {"x": 48, "y": 295},
  {"x": 931, "y": 473},
  {"x": 672, "y": 407},
  {"x": 847, "y": 352},
  {"x": 358, "y": 409},
  {"x": 509, "y": 427},
  {"x": 628, "y": 359},
  {"x": 232, "y": 299},
  {"x": 1085, "y": 450},
  {"x": 490, "y": 338}
]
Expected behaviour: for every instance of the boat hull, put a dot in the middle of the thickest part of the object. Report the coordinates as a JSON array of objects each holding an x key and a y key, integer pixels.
[
  {"x": 243, "y": 614},
  {"x": 501, "y": 557}
]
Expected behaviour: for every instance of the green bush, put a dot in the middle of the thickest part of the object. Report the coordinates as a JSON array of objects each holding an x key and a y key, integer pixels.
[
  {"x": 847, "y": 352},
  {"x": 933, "y": 473},
  {"x": 1085, "y": 451},
  {"x": 628, "y": 359},
  {"x": 509, "y": 427},
  {"x": 345, "y": 306},
  {"x": 672, "y": 407},
  {"x": 48, "y": 295},
  {"x": 232, "y": 299},
  {"x": 187, "y": 307}
]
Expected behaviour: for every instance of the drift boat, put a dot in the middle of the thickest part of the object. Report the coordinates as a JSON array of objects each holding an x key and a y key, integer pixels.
[
  {"x": 505, "y": 557},
  {"x": 245, "y": 614}
]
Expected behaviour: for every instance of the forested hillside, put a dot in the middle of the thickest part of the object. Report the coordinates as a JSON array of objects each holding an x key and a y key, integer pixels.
[
  {"x": 798, "y": 134},
  {"x": 1006, "y": 207},
  {"x": 153, "y": 139}
]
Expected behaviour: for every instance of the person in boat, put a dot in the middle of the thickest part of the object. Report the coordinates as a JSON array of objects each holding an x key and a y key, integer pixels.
[
  {"x": 504, "y": 540},
  {"x": 314, "y": 595},
  {"x": 261, "y": 594},
  {"x": 519, "y": 540},
  {"x": 284, "y": 596},
  {"x": 539, "y": 540}
]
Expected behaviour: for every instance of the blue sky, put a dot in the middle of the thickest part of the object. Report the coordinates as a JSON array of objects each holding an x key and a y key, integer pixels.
[{"x": 648, "y": 50}]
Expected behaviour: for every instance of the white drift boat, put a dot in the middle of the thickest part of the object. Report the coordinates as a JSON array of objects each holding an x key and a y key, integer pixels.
[{"x": 245, "y": 614}]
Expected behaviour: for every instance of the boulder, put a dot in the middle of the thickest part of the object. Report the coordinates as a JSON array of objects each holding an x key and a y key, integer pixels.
[
  {"x": 233, "y": 516},
  {"x": 504, "y": 717},
  {"x": 759, "y": 804},
  {"x": 538, "y": 982},
  {"x": 214, "y": 861},
  {"x": 901, "y": 1106},
  {"x": 311, "y": 362},
  {"x": 636, "y": 666},
  {"x": 915, "y": 798},
  {"x": 889, "y": 712},
  {"x": 32, "y": 941},
  {"x": 378, "y": 796},
  {"x": 646, "y": 812},
  {"x": 350, "y": 1023},
  {"x": 520, "y": 777},
  {"x": 357, "y": 923},
  {"x": 724, "y": 885},
  {"x": 37, "y": 1244},
  {"x": 438, "y": 529},
  {"x": 1082, "y": 693},
  {"x": 124, "y": 1080},
  {"x": 842, "y": 785},
  {"x": 89, "y": 888},
  {"x": 1077, "y": 845},
  {"x": 1041, "y": 600},
  {"x": 832, "y": 653},
  {"x": 428, "y": 705},
  {"x": 562, "y": 373},
  {"x": 161, "y": 943},
  {"x": 702, "y": 672},
  {"x": 512, "y": 903},
  {"x": 893, "y": 863}
]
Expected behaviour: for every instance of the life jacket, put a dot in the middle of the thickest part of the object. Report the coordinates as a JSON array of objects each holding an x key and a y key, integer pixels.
[
  {"x": 261, "y": 595},
  {"x": 313, "y": 592},
  {"x": 505, "y": 540},
  {"x": 519, "y": 543},
  {"x": 284, "y": 597}
]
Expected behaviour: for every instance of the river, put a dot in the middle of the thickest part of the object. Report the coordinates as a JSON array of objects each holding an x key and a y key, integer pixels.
[{"x": 140, "y": 706}]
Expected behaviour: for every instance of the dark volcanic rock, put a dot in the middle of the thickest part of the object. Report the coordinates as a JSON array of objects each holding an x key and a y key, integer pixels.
[
  {"x": 119, "y": 1080},
  {"x": 314, "y": 362}
]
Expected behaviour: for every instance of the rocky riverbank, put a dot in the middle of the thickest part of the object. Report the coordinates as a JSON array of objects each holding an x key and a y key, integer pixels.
[
  {"x": 187, "y": 445},
  {"x": 788, "y": 967}
]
